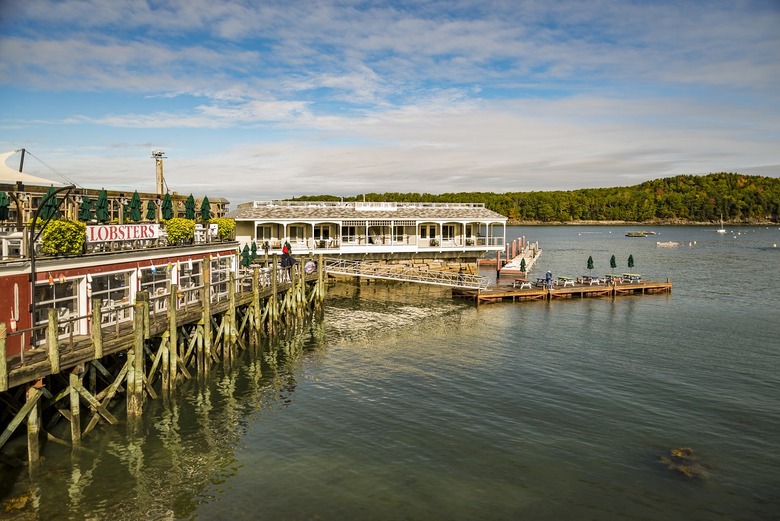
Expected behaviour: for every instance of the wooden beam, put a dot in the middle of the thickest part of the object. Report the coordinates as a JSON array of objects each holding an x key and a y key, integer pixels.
[
  {"x": 33, "y": 395},
  {"x": 3, "y": 359}
]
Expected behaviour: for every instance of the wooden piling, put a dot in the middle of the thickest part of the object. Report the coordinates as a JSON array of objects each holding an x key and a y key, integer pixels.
[
  {"x": 75, "y": 408},
  {"x": 135, "y": 357},
  {"x": 3, "y": 359},
  {"x": 206, "y": 315},
  {"x": 52, "y": 341},
  {"x": 96, "y": 331},
  {"x": 173, "y": 338},
  {"x": 34, "y": 422}
]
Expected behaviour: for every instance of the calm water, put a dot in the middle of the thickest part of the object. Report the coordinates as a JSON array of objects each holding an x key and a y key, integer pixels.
[{"x": 405, "y": 404}]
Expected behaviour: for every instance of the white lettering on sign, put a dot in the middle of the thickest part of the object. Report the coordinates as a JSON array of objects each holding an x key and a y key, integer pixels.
[{"x": 122, "y": 232}]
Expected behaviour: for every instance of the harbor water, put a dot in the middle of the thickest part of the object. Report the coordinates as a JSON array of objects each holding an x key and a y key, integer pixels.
[{"x": 405, "y": 404}]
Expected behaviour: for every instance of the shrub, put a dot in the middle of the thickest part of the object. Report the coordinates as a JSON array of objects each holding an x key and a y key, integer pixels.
[
  {"x": 180, "y": 230},
  {"x": 225, "y": 227},
  {"x": 63, "y": 237}
]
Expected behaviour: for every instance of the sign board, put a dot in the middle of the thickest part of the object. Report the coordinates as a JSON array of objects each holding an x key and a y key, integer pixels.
[{"x": 122, "y": 232}]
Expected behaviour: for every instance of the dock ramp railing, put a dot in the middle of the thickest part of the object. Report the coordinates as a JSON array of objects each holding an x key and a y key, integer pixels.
[{"x": 401, "y": 273}]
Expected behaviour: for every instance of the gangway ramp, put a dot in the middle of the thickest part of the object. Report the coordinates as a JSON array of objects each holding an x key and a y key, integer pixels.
[{"x": 401, "y": 273}]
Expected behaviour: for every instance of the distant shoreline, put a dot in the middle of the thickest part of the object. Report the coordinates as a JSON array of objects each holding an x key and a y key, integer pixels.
[{"x": 671, "y": 222}]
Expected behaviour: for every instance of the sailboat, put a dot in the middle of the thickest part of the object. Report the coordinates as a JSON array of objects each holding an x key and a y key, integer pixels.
[{"x": 722, "y": 229}]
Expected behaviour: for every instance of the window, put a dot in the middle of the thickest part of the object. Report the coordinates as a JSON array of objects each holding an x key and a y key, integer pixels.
[
  {"x": 62, "y": 296},
  {"x": 296, "y": 233},
  {"x": 114, "y": 291},
  {"x": 156, "y": 280},
  {"x": 321, "y": 232},
  {"x": 189, "y": 279},
  {"x": 220, "y": 277},
  {"x": 447, "y": 231},
  {"x": 264, "y": 233},
  {"x": 348, "y": 234},
  {"x": 428, "y": 230}
]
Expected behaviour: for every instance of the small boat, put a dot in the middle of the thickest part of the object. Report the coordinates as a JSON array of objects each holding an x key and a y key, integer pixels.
[
  {"x": 722, "y": 229},
  {"x": 637, "y": 234},
  {"x": 667, "y": 244}
]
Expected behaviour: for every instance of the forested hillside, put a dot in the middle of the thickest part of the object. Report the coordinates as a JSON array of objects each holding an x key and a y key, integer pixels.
[{"x": 693, "y": 198}]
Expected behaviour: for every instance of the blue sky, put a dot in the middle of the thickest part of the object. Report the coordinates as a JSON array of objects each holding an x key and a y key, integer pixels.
[{"x": 273, "y": 99}]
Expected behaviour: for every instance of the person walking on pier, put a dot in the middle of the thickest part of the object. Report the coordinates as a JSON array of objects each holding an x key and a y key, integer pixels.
[{"x": 548, "y": 278}]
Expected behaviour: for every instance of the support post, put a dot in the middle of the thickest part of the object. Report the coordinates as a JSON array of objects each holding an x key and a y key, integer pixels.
[
  {"x": 34, "y": 423},
  {"x": 75, "y": 408},
  {"x": 96, "y": 330},
  {"x": 3, "y": 359},
  {"x": 206, "y": 318},
  {"x": 52, "y": 342},
  {"x": 135, "y": 376},
  {"x": 173, "y": 343}
]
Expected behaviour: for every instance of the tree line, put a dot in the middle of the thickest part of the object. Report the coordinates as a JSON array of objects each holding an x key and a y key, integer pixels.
[{"x": 683, "y": 198}]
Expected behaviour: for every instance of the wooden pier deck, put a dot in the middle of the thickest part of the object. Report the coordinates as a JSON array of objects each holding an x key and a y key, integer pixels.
[{"x": 504, "y": 292}]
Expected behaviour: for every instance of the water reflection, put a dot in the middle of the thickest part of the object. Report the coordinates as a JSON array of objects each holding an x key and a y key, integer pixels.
[{"x": 164, "y": 466}]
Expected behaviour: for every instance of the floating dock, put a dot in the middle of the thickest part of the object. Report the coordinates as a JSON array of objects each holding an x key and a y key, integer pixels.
[{"x": 504, "y": 292}]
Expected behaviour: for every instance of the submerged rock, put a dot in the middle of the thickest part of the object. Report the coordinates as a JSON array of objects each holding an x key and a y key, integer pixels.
[{"x": 683, "y": 461}]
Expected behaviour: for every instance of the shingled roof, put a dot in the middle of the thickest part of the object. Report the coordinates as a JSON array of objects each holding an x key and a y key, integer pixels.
[{"x": 350, "y": 211}]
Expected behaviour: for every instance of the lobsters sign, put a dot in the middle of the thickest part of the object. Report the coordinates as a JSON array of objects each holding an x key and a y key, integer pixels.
[{"x": 122, "y": 232}]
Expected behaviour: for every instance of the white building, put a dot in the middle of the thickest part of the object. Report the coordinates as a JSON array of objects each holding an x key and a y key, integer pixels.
[{"x": 358, "y": 228}]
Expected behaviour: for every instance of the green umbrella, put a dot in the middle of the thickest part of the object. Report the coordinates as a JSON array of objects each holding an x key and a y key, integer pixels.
[
  {"x": 50, "y": 208},
  {"x": 245, "y": 256},
  {"x": 151, "y": 210},
  {"x": 85, "y": 209},
  {"x": 205, "y": 209},
  {"x": 522, "y": 264},
  {"x": 4, "y": 203},
  {"x": 189, "y": 208},
  {"x": 590, "y": 262},
  {"x": 253, "y": 250},
  {"x": 134, "y": 207},
  {"x": 167, "y": 208},
  {"x": 101, "y": 207},
  {"x": 630, "y": 261},
  {"x": 612, "y": 263}
]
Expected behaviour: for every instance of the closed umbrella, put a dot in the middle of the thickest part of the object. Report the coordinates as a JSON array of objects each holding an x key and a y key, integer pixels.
[
  {"x": 101, "y": 207},
  {"x": 522, "y": 264},
  {"x": 253, "y": 250},
  {"x": 50, "y": 208},
  {"x": 167, "y": 208},
  {"x": 189, "y": 208},
  {"x": 4, "y": 204},
  {"x": 630, "y": 261},
  {"x": 85, "y": 209},
  {"x": 590, "y": 262},
  {"x": 134, "y": 207},
  {"x": 151, "y": 210},
  {"x": 612, "y": 263},
  {"x": 205, "y": 209},
  {"x": 245, "y": 260}
]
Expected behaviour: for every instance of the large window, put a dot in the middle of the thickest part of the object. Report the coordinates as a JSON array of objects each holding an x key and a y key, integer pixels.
[
  {"x": 63, "y": 296},
  {"x": 296, "y": 233},
  {"x": 189, "y": 280},
  {"x": 447, "y": 231},
  {"x": 220, "y": 277},
  {"x": 264, "y": 233},
  {"x": 321, "y": 232},
  {"x": 114, "y": 292},
  {"x": 428, "y": 230},
  {"x": 156, "y": 280}
]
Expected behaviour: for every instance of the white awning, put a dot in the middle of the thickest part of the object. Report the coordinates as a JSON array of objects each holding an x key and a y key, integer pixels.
[{"x": 10, "y": 176}]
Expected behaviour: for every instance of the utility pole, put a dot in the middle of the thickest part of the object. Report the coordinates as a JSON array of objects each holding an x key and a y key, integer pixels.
[{"x": 158, "y": 156}]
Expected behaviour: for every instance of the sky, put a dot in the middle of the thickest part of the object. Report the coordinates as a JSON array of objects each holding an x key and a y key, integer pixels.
[{"x": 258, "y": 100}]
